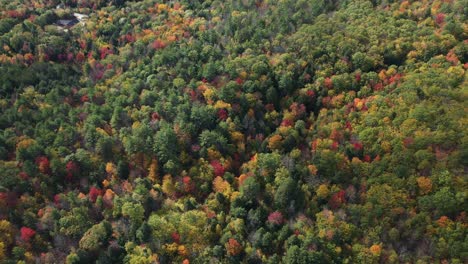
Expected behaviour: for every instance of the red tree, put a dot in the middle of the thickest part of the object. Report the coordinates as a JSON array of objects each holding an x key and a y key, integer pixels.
[
  {"x": 94, "y": 193},
  {"x": 440, "y": 18},
  {"x": 286, "y": 123},
  {"x": 155, "y": 116},
  {"x": 407, "y": 142},
  {"x": 337, "y": 199},
  {"x": 27, "y": 233},
  {"x": 357, "y": 77},
  {"x": 349, "y": 126},
  {"x": 357, "y": 146},
  {"x": 275, "y": 218},
  {"x": 43, "y": 164},
  {"x": 217, "y": 167},
  {"x": 71, "y": 169},
  {"x": 334, "y": 145},
  {"x": 328, "y": 83},
  {"x": 188, "y": 184},
  {"x": 367, "y": 158},
  {"x": 158, "y": 44},
  {"x": 222, "y": 114},
  {"x": 23, "y": 175},
  {"x": 175, "y": 237},
  {"x": 233, "y": 247}
]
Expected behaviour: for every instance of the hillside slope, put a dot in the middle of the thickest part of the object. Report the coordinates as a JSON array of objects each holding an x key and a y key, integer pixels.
[{"x": 233, "y": 131}]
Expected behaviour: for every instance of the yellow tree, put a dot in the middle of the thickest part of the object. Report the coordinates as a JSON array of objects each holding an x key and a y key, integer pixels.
[
  {"x": 6, "y": 233},
  {"x": 275, "y": 142},
  {"x": 168, "y": 186},
  {"x": 153, "y": 171}
]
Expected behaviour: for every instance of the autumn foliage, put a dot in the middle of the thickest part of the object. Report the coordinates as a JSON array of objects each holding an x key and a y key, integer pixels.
[
  {"x": 233, "y": 247},
  {"x": 233, "y": 131},
  {"x": 27, "y": 233}
]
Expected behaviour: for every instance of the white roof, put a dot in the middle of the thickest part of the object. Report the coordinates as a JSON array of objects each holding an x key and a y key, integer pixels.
[{"x": 80, "y": 16}]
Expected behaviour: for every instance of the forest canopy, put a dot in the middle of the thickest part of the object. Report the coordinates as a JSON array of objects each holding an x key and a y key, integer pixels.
[{"x": 251, "y": 131}]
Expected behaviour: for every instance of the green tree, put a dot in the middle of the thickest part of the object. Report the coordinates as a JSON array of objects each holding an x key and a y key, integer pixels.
[
  {"x": 96, "y": 237},
  {"x": 165, "y": 144},
  {"x": 75, "y": 223}
]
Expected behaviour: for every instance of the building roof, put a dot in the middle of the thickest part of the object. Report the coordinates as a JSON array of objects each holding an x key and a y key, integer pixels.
[
  {"x": 67, "y": 22},
  {"x": 80, "y": 17}
]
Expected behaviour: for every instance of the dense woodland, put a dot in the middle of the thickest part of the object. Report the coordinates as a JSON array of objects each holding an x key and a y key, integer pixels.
[{"x": 223, "y": 131}]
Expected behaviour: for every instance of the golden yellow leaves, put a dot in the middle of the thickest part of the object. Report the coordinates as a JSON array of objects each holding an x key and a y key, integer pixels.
[
  {"x": 162, "y": 7},
  {"x": 312, "y": 169},
  {"x": 153, "y": 171},
  {"x": 174, "y": 248},
  {"x": 457, "y": 71},
  {"x": 222, "y": 186},
  {"x": 110, "y": 168},
  {"x": 2, "y": 251},
  {"x": 182, "y": 250},
  {"x": 6, "y": 232},
  {"x": 375, "y": 250},
  {"x": 358, "y": 103},
  {"x": 323, "y": 191},
  {"x": 424, "y": 184},
  {"x": 136, "y": 124},
  {"x": 386, "y": 146},
  {"x": 243, "y": 75},
  {"x": 213, "y": 154},
  {"x": 221, "y": 104},
  {"x": 275, "y": 142},
  {"x": 101, "y": 131},
  {"x": 25, "y": 143},
  {"x": 237, "y": 136},
  {"x": 168, "y": 186}
]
